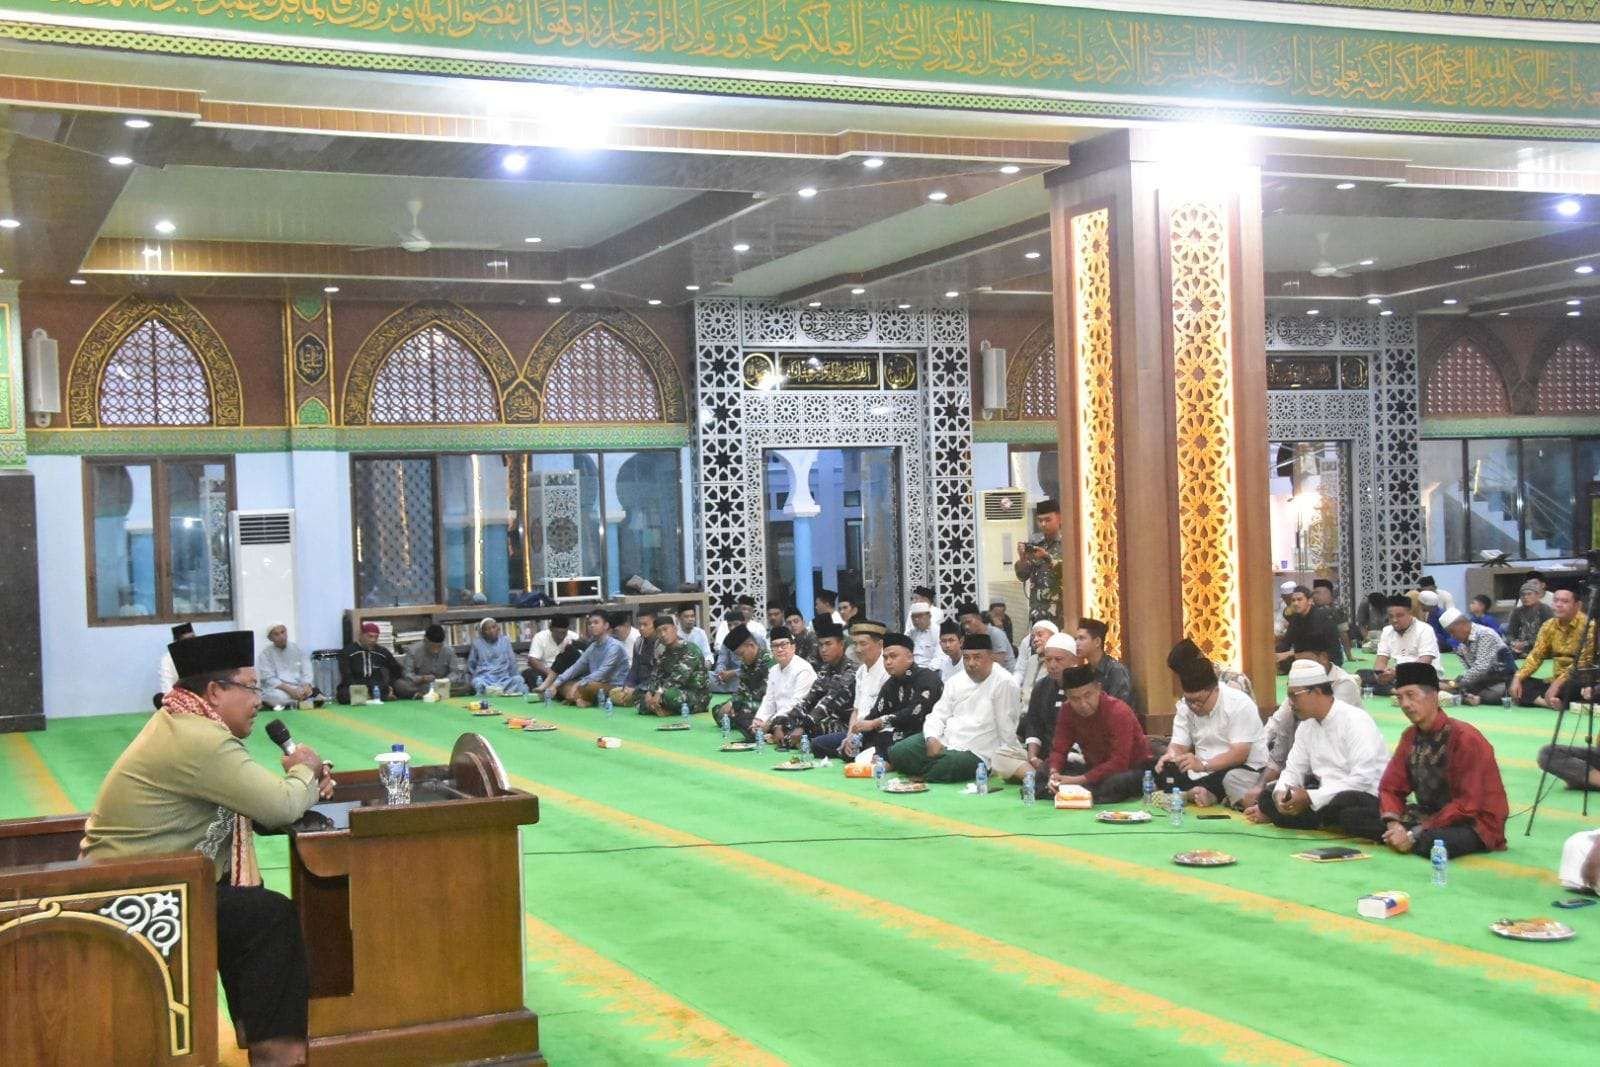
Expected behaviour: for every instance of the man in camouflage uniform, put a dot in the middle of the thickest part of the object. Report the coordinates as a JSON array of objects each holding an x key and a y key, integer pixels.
[
  {"x": 754, "y": 663},
  {"x": 900, "y": 708},
  {"x": 826, "y": 709},
  {"x": 1038, "y": 565},
  {"x": 680, "y": 673}
]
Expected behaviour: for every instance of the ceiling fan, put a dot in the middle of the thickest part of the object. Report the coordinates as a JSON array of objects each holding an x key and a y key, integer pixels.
[
  {"x": 1325, "y": 267},
  {"x": 414, "y": 240}
]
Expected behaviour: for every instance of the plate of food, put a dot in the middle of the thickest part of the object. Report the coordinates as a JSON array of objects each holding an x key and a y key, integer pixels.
[
  {"x": 1532, "y": 929},
  {"x": 488, "y": 714},
  {"x": 1123, "y": 816},
  {"x": 738, "y": 746},
  {"x": 794, "y": 763},
  {"x": 904, "y": 785},
  {"x": 538, "y": 726},
  {"x": 674, "y": 726},
  {"x": 1203, "y": 857}
]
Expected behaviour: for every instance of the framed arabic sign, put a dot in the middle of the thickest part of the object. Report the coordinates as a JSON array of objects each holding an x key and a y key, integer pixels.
[{"x": 857, "y": 370}]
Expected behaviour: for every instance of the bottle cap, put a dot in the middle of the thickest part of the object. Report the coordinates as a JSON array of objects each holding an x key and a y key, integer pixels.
[{"x": 397, "y": 748}]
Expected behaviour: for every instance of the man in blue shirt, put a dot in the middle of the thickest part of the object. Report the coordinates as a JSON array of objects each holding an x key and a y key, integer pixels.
[
  {"x": 603, "y": 666},
  {"x": 1483, "y": 616}
]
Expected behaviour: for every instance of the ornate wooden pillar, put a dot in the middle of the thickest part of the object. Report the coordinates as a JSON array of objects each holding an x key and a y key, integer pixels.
[{"x": 1159, "y": 327}]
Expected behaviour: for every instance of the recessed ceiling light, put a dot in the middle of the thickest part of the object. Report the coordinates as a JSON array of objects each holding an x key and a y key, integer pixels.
[
  {"x": 532, "y": 240},
  {"x": 1583, "y": 269},
  {"x": 1314, "y": 311},
  {"x": 951, "y": 295},
  {"x": 165, "y": 226},
  {"x": 1503, "y": 314},
  {"x": 1461, "y": 266},
  {"x": 1386, "y": 312},
  {"x": 513, "y": 162},
  {"x": 552, "y": 300},
  {"x": 136, "y": 124},
  {"x": 807, "y": 193},
  {"x": 938, "y": 195},
  {"x": 1345, "y": 186},
  {"x": 692, "y": 288},
  {"x": 1450, "y": 301},
  {"x": 1573, "y": 314},
  {"x": 903, "y": 307},
  {"x": 9, "y": 224},
  {"x": 497, "y": 264},
  {"x": 1366, "y": 263},
  {"x": 814, "y": 304},
  {"x": 1574, "y": 303},
  {"x": 1010, "y": 168},
  {"x": 330, "y": 289},
  {"x": 653, "y": 303},
  {"x": 149, "y": 251},
  {"x": 76, "y": 281},
  {"x": 872, "y": 162},
  {"x": 1374, "y": 300},
  {"x": 741, "y": 247},
  {"x": 857, "y": 291},
  {"x": 119, "y": 161},
  {"x": 586, "y": 286},
  {"x": 1030, "y": 255},
  {"x": 1568, "y": 207}
]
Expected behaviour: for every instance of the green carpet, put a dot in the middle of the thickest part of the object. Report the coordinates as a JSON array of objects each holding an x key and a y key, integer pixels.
[{"x": 690, "y": 904}]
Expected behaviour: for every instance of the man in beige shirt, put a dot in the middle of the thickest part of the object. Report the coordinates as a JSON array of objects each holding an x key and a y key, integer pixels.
[{"x": 187, "y": 783}]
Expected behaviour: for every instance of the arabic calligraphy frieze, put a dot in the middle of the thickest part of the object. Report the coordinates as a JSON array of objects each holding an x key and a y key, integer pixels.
[{"x": 969, "y": 42}]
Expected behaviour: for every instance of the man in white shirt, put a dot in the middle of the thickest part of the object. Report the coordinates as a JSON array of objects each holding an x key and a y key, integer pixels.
[
  {"x": 1216, "y": 729},
  {"x": 973, "y": 719},
  {"x": 546, "y": 645},
  {"x": 284, "y": 672},
  {"x": 866, "y": 636},
  {"x": 166, "y": 673},
  {"x": 1338, "y": 757},
  {"x": 742, "y": 612},
  {"x": 689, "y": 629},
  {"x": 1283, "y": 725},
  {"x": 1405, "y": 640},
  {"x": 624, "y": 631},
  {"x": 788, "y": 682},
  {"x": 949, "y": 649},
  {"x": 924, "y": 634}
]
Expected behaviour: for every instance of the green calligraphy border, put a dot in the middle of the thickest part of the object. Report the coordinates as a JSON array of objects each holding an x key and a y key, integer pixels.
[
  {"x": 212, "y": 441},
  {"x": 1530, "y": 10},
  {"x": 13, "y": 442},
  {"x": 1028, "y": 432},
  {"x": 1512, "y": 426},
  {"x": 1035, "y": 55}
]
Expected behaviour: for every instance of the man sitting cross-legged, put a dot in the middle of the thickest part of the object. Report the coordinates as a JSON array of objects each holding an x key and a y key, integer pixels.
[
  {"x": 1037, "y": 728},
  {"x": 680, "y": 677},
  {"x": 900, "y": 708},
  {"x": 601, "y": 668},
  {"x": 788, "y": 682},
  {"x": 1406, "y": 639},
  {"x": 1282, "y": 726},
  {"x": 641, "y": 674},
  {"x": 827, "y": 707},
  {"x": 1115, "y": 749},
  {"x": 1451, "y": 769},
  {"x": 755, "y": 664},
  {"x": 1333, "y": 769},
  {"x": 970, "y": 722},
  {"x": 1217, "y": 729},
  {"x": 1489, "y": 662}
]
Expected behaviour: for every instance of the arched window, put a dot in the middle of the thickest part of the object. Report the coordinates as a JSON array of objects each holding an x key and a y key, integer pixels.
[
  {"x": 154, "y": 379},
  {"x": 599, "y": 377},
  {"x": 433, "y": 377},
  {"x": 1464, "y": 382},
  {"x": 1039, "y": 387},
  {"x": 1570, "y": 383}
]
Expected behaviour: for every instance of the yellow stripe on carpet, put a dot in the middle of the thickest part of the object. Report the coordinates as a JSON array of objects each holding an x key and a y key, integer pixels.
[
  {"x": 1239, "y": 1044},
  {"x": 1486, "y": 964},
  {"x": 641, "y": 1002},
  {"x": 43, "y": 789}
]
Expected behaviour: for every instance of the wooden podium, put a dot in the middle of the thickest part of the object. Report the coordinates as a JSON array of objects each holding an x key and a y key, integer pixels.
[{"x": 413, "y": 917}]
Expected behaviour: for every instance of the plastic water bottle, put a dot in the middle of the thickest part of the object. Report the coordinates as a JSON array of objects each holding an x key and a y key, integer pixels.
[
  {"x": 854, "y": 742},
  {"x": 761, "y": 742},
  {"x": 404, "y": 774},
  {"x": 1440, "y": 858},
  {"x": 1028, "y": 781},
  {"x": 1149, "y": 788},
  {"x": 605, "y": 703},
  {"x": 805, "y": 748},
  {"x": 878, "y": 772},
  {"x": 683, "y": 712},
  {"x": 727, "y": 729},
  {"x": 982, "y": 778},
  {"x": 1177, "y": 806}
]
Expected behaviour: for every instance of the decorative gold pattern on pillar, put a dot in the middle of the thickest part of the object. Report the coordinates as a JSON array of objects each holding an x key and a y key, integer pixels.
[
  {"x": 1093, "y": 348},
  {"x": 1202, "y": 355}
]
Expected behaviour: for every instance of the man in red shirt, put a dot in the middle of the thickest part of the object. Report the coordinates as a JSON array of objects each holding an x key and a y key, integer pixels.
[
  {"x": 1115, "y": 749},
  {"x": 1451, "y": 769}
]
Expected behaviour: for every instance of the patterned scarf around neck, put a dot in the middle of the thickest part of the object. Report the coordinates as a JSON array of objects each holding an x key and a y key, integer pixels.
[{"x": 243, "y": 870}]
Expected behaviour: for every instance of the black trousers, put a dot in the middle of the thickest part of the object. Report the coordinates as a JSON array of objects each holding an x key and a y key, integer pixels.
[
  {"x": 1459, "y": 840},
  {"x": 1123, "y": 785},
  {"x": 1535, "y": 688},
  {"x": 261, "y": 958},
  {"x": 1359, "y": 807},
  {"x": 1169, "y": 777}
]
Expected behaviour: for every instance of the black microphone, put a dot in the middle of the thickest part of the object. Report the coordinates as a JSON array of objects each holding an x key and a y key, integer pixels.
[{"x": 279, "y": 734}]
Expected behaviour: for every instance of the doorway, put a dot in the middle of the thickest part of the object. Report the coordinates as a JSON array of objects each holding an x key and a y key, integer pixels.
[
  {"x": 1312, "y": 509},
  {"x": 837, "y": 529}
]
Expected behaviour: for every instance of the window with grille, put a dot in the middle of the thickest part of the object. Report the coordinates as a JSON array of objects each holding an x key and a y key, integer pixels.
[
  {"x": 154, "y": 379},
  {"x": 1465, "y": 383},
  {"x": 433, "y": 377},
  {"x": 599, "y": 377},
  {"x": 1570, "y": 383},
  {"x": 1039, "y": 388}
]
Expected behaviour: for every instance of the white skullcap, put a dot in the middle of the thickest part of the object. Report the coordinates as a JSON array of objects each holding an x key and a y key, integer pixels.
[
  {"x": 1045, "y": 624},
  {"x": 1064, "y": 642},
  {"x": 1428, "y": 597},
  {"x": 1286, "y": 588},
  {"x": 1450, "y": 618},
  {"x": 1305, "y": 672}
]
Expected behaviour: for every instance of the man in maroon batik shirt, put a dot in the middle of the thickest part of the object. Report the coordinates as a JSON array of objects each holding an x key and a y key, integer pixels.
[{"x": 1115, "y": 749}]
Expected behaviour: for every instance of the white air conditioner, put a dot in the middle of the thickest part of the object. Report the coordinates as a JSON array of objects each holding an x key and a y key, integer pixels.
[
  {"x": 1002, "y": 525},
  {"x": 263, "y": 569}
]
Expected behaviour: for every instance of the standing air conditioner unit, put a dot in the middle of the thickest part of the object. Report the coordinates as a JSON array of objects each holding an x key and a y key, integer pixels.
[
  {"x": 1002, "y": 525},
  {"x": 263, "y": 569}
]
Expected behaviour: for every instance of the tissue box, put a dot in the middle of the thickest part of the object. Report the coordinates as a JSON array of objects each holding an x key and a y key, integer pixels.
[
  {"x": 1383, "y": 905},
  {"x": 1073, "y": 798}
]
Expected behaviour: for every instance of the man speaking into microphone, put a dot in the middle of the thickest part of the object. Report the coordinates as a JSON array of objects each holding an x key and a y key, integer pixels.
[{"x": 187, "y": 782}]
